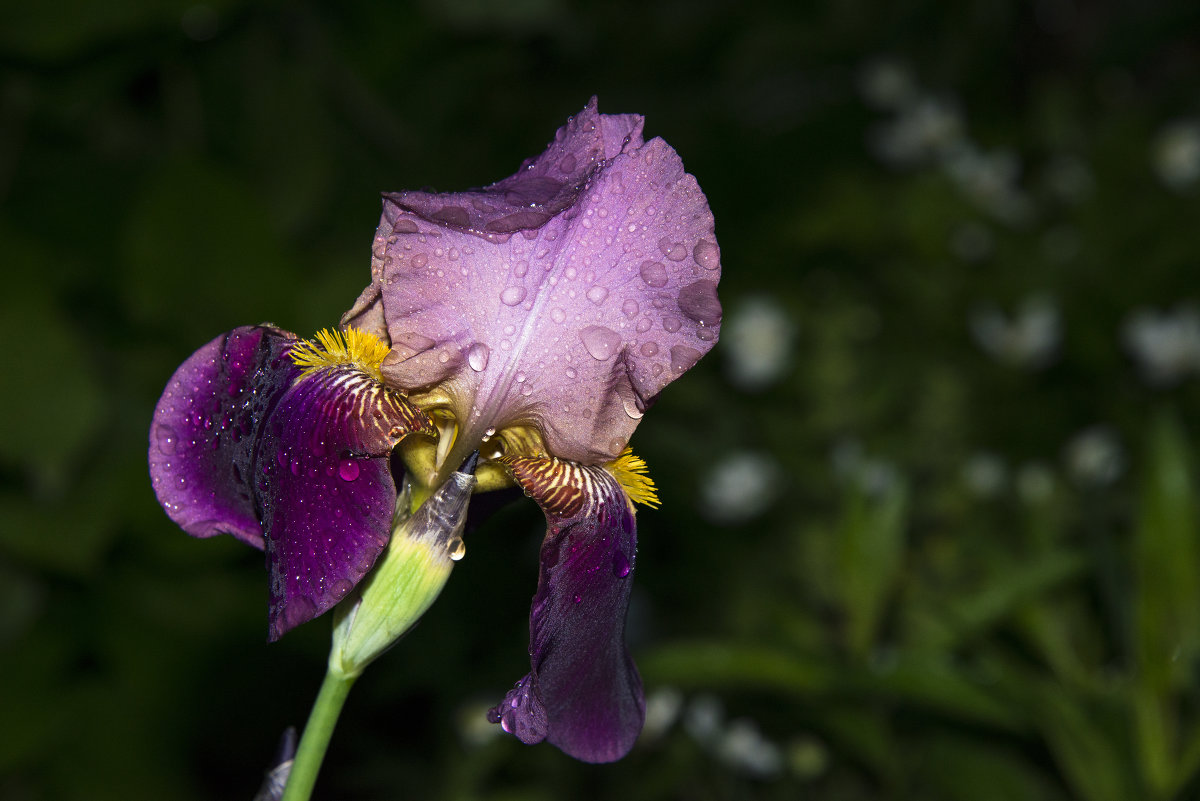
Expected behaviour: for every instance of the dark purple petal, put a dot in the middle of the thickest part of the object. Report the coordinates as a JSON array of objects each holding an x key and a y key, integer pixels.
[
  {"x": 583, "y": 693},
  {"x": 325, "y": 488},
  {"x": 242, "y": 444},
  {"x": 566, "y": 296},
  {"x": 206, "y": 425}
]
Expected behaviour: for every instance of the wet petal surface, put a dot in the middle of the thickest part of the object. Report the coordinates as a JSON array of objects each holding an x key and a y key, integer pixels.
[
  {"x": 205, "y": 428},
  {"x": 583, "y": 693},
  {"x": 242, "y": 444},
  {"x": 326, "y": 489},
  {"x": 566, "y": 296}
]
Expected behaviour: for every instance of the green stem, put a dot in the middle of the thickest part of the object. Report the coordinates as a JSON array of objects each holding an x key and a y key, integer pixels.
[{"x": 316, "y": 736}]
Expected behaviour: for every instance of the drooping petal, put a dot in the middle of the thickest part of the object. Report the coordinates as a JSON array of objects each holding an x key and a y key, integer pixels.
[
  {"x": 566, "y": 296},
  {"x": 205, "y": 428},
  {"x": 583, "y": 693},
  {"x": 325, "y": 488},
  {"x": 244, "y": 442}
]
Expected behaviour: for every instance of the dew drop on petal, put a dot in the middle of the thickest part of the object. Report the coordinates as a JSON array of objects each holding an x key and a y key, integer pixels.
[
  {"x": 683, "y": 357},
  {"x": 602, "y": 343},
  {"x": 630, "y": 307},
  {"x": 348, "y": 470},
  {"x": 456, "y": 549},
  {"x": 706, "y": 255},
  {"x": 512, "y": 295},
  {"x": 643, "y": 325},
  {"x": 420, "y": 260},
  {"x": 698, "y": 301},
  {"x": 671, "y": 324},
  {"x": 620, "y": 565},
  {"x": 165, "y": 437},
  {"x": 477, "y": 356},
  {"x": 649, "y": 348},
  {"x": 571, "y": 372},
  {"x": 597, "y": 294},
  {"x": 558, "y": 315},
  {"x": 654, "y": 273}
]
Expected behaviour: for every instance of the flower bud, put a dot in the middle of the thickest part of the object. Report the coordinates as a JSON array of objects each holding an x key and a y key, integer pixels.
[{"x": 408, "y": 577}]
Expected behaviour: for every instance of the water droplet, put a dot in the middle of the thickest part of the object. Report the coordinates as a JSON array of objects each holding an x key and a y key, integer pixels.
[
  {"x": 706, "y": 254},
  {"x": 654, "y": 273},
  {"x": 597, "y": 295},
  {"x": 456, "y": 549},
  {"x": 698, "y": 301},
  {"x": 620, "y": 565},
  {"x": 632, "y": 409},
  {"x": 571, "y": 372},
  {"x": 643, "y": 325},
  {"x": 348, "y": 470},
  {"x": 477, "y": 356},
  {"x": 520, "y": 269},
  {"x": 512, "y": 295},
  {"x": 404, "y": 227},
  {"x": 420, "y": 260},
  {"x": 578, "y": 598},
  {"x": 600, "y": 342},
  {"x": 165, "y": 437},
  {"x": 630, "y": 307},
  {"x": 567, "y": 163},
  {"x": 489, "y": 433},
  {"x": 520, "y": 377},
  {"x": 671, "y": 324},
  {"x": 558, "y": 315},
  {"x": 649, "y": 348},
  {"x": 683, "y": 357},
  {"x": 295, "y": 467}
]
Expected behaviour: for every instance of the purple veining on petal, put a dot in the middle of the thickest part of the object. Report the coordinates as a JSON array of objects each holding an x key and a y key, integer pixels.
[
  {"x": 583, "y": 271},
  {"x": 206, "y": 425},
  {"x": 325, "y": 488},
  {"x": 583, "y": 693}
]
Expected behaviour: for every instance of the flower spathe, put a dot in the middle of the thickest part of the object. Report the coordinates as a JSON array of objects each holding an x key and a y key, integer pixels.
[{"x": 534, "y": 321}]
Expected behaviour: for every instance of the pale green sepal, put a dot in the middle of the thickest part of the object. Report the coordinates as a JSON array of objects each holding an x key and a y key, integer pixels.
[{"x": 406, "y": 580}]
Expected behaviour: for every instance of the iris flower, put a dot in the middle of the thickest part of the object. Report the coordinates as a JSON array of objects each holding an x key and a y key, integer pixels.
[{"x": 531, "y": 322}]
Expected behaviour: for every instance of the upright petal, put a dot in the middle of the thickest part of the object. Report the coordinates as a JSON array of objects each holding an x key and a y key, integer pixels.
[
  {"x": 583, "y": 693},
  {"x": 565, "y": 296},
  {"x": 206, "y": 426}
]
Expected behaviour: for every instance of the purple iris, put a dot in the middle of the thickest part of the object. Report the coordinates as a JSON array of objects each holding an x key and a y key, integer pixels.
[{"x": 534, "y": 321}]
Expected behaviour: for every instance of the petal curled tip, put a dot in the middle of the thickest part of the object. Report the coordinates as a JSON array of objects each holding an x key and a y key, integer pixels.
[
  {"x": 583, "y": 693},
  {"x": 469, "y": 464}
]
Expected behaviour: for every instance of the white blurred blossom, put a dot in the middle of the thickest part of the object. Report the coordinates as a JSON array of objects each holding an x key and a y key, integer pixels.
[
  {"x": 757, "y": 343},
  {"x": 705, "y": 718},
  {"x": 922, "y": 131},
  {"x": 1029, "y": 338},
  {"x": 1095, "y": 458},
  {"x": 739, "y": 487},
  {"x": 1175, "y": 154},
  {"x": 663, "y": 706},
  {"x": 989, "y": 179},
  {"x": 985, "y": 475},
  {"x": 887, "y": 84},
  {"x": 1165, "y": 345},
  {"x": 743, "y": 747}
]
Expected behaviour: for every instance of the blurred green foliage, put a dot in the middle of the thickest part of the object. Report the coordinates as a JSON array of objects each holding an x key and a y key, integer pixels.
[{"x": 942, "y": 545}]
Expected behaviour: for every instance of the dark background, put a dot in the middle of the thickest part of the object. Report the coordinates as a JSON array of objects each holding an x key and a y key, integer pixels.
[{"x": 929, "y": 526}]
